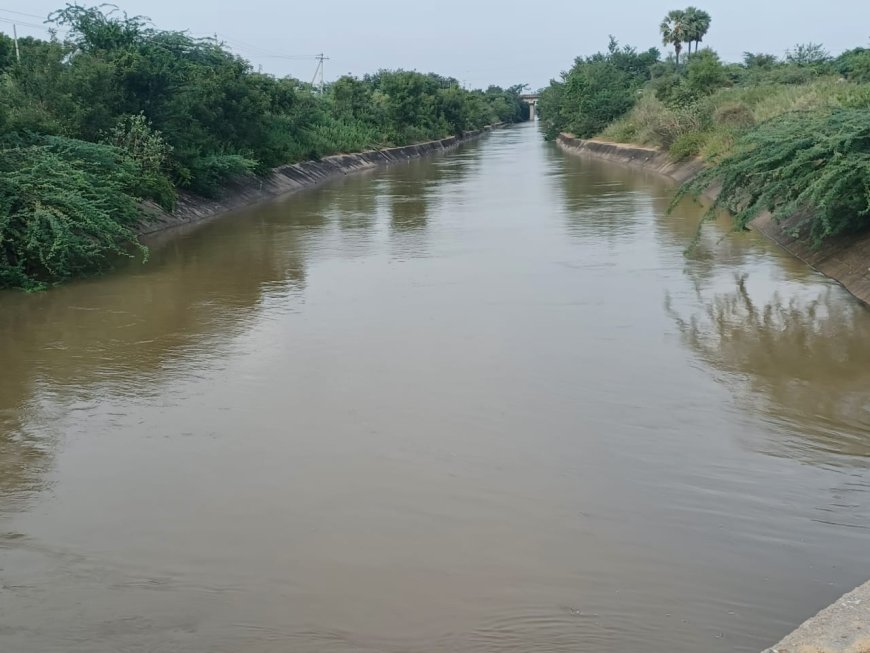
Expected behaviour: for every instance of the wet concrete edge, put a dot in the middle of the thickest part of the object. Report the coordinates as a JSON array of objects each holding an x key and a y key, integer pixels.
[
  {"x": 843, "y": 627},
  {"x": 845, "y": 259},
  {"x": 283, "y": 180}
]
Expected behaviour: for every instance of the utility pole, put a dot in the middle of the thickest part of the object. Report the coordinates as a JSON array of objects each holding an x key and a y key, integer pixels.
[
  {"x": 319, "y": 71},
  {"x": 15, "y": 38}
]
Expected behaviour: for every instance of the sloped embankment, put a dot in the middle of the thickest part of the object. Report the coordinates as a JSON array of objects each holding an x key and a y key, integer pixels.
[{"x": 291, "y": 178}]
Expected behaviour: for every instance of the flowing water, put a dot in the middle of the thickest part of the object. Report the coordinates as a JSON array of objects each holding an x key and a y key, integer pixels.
[{"x": 481, "y": 402}]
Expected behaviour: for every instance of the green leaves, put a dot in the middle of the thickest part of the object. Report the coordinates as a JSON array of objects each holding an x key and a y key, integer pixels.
[
  {"x": 675, "y": 31},
  {"x": 596, "y": 91},
  {"x": 210, "y": 171},
  {"x": 171, "y": 111},
  {"x": 67, "y": 208},
  {"x": 812, "y": 168}
]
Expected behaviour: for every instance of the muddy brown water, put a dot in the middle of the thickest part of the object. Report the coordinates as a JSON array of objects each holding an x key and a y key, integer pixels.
[{"x": 481, "y": 402}]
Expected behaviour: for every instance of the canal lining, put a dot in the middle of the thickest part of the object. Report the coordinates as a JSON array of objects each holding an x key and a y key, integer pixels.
[{"x": 284, "y": 180}]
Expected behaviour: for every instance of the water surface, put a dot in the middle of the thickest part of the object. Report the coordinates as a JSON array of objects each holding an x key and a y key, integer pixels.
[{"x": 481, "y": 402}]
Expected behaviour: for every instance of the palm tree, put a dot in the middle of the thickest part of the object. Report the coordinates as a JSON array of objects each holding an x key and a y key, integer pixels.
[
  {"x": 692, "y": 26},
  {"x": 698, "y": 24},
  {"x": 674, "y": 29}
]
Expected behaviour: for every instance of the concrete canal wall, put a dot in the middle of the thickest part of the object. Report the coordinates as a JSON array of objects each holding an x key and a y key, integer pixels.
[
  {"x": 844, "y": 627},
  {"x": 287, "y": 179}
]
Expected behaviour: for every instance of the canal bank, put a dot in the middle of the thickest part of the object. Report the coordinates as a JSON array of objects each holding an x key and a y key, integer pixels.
[
  {"x": 844, "y": 259},
  {"x": 284, "y": 180}
]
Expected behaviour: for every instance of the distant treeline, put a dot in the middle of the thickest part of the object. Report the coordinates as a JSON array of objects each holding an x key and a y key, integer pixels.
[
  {"x": 119, "y": 112},
  {"x": 790, "y": 134}
]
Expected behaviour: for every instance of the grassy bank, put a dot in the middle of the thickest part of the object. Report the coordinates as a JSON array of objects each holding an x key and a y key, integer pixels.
[
  {"x": 712, "y": 125},
  {"x": 790, "y": 135},
  {"x": 120, "y": 112}
]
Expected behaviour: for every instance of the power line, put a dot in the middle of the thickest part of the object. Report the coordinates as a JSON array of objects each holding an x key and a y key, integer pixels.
[
  {"x": 10, "y": 21},
  {"x": 295, "y": 57},
  {"x": 236, "y": 43},
  {"x": 232, "y": 42},
  {"x": 22, "y": 13}
]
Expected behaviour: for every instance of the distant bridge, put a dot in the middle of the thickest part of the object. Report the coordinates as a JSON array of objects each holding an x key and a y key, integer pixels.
[{"x": 532, "y": 100}]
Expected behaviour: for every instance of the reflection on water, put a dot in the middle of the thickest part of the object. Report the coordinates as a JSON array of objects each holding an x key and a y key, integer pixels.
[
  {"x": 804, "y": 363},
  {"x": 435, "y": 407},
  {"x": 130, "y": 334},
  {"x": 600, "y": 201},
  {"x": 796, "y": 354},
  {"x": 24, "y": 459}
]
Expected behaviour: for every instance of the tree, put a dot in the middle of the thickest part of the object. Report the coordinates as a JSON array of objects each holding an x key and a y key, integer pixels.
[
  {"x": 675, "y": 31},
  {"x": 854, "y": 65},
  {"x": 759, "y": 60},
  {"x": 807, "y": 54},
  {"x": 705, "y": 72},
  {"x": 698, "y": 24},
  {"x": 596, "y": 91},
  {"x": 92, "y": 29}
]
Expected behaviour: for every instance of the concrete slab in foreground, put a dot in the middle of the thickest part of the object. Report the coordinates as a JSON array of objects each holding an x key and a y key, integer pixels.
[{"x": 844, "y": 627}]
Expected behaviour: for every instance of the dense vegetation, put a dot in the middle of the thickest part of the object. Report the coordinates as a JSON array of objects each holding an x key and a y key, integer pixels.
[
  {"x": 814, "y": 166},
  {"x": 120, "y": 112},
  {"x": 596, "y": 90},
  {"x": 787, "y": 134}
]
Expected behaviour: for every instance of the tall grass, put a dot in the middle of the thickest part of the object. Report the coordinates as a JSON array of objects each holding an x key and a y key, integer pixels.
[{"x": 710, "y": 127}]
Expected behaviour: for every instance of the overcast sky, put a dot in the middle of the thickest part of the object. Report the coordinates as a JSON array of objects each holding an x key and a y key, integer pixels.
[{"x": 477, "y": 42}]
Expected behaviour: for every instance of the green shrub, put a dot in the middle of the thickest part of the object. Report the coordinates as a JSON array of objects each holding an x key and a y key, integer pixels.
[
  {"x": 705, "y": 73},
  {"x": 596, "y": 91},
  {"x": 623, "y": 130},
  {"x": 147, "y": 147},
  {"x": 674, "y": 91},
  {"x": 208, "y": 173},
  {"x": 812, "y": 164},
  {"x": 854, "y": 65},
  {"x": 720, "y": 141},
  {"x": 671, "y": 124},
  {"x": 67, "y": 208},
  {"x": 687, "y": 145}
]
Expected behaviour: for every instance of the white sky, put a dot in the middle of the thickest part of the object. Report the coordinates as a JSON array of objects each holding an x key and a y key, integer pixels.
[{"x": 477, "y": 42}]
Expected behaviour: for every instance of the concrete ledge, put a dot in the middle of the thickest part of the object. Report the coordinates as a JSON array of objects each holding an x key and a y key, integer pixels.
[
  {"x": 844, "y": 627},
  {"x": 191, "y": 209},
  {"x": 846, "y": 259},
  {"x": 632, "y": 155}
]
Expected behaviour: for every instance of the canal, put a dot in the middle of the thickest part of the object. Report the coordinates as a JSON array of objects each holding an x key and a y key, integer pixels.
[{"x": 480, "y": 402}]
